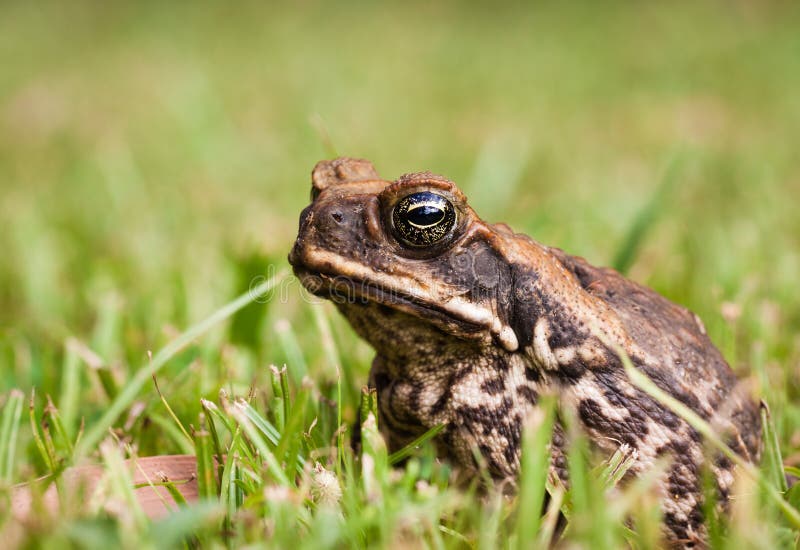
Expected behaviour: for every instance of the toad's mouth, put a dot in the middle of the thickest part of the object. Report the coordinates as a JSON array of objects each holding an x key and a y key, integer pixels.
[
  {"x": 346, "y": 282},
  {"x": 345, "y": 291}
]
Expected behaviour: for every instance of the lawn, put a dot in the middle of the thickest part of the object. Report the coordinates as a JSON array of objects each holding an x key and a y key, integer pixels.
[{"x": 154, "y": 159}]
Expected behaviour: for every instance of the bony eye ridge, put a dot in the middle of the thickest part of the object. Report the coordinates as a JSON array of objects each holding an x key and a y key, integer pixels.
[{"x": 423, "y": 219}]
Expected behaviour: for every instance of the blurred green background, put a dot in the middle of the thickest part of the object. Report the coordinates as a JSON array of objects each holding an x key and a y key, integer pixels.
[{"x": 154, "y": 158}]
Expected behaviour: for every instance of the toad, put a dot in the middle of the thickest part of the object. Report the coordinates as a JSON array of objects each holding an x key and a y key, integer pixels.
[{"x": 472, "y": 323}]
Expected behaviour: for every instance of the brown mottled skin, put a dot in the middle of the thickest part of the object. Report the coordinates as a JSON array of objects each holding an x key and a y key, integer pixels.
[{"x": 471, "y": 330}]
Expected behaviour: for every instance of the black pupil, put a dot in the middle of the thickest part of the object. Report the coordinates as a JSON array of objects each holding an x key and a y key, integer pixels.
[{"x": 425, "y": 215}]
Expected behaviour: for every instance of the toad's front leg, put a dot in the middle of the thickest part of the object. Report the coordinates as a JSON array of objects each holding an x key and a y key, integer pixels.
[{"x": 398, "y": 405}]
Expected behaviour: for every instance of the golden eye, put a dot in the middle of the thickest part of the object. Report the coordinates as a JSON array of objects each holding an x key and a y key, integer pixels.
[{"x": 423, "y": 219}]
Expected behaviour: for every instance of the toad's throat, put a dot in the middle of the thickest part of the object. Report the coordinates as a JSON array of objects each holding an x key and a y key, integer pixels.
[{"x": 351, "y": 281}]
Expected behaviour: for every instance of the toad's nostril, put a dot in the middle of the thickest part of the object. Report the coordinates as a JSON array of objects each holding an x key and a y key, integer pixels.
[{"x": 337, "y": 216}]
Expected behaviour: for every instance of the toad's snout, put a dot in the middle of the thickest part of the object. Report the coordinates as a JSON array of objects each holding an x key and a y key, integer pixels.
[{"x": 348, "y": 225}]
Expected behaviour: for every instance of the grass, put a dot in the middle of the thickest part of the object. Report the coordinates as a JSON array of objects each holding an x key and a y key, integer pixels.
[{"x": 153, "y": 163}]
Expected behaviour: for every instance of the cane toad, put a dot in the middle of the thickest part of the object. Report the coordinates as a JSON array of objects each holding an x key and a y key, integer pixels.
[{"x": 472, "y": 322}]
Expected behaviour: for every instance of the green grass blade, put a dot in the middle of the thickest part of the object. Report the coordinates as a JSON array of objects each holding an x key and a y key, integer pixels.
[
  {"x": 647, "y": 217},
  {"x": 549, "y": 522},
  {"x": 280, "y": 405},
  {"x": 257, "y": 437},
  {"x": 122, "y": 485},
  {"x": 70, "y": 395},
  {"x": 534, "y": 468},
  {"x": 95, "y": 433},
  {"x": 37, "y": 434},
  {"x": 772, "y": 458},
  {"x": 53, "y": 418},
  {"x": 206, "y": 478},
  {"x": 262, "y": 424},
  {"x": 291, "y": 350},
  {"x": 412, "y": 447},
  {"x": 170, "y": 486},
  {"x": 266, "y": 429},
  {"x": 215, "y": 441},
  {"x": 185, "y": 524},
  {"x": 9, "y": 431}
]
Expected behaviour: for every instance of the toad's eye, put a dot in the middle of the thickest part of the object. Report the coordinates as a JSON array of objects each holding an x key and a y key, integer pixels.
[{"x": 423, "y": 219}]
